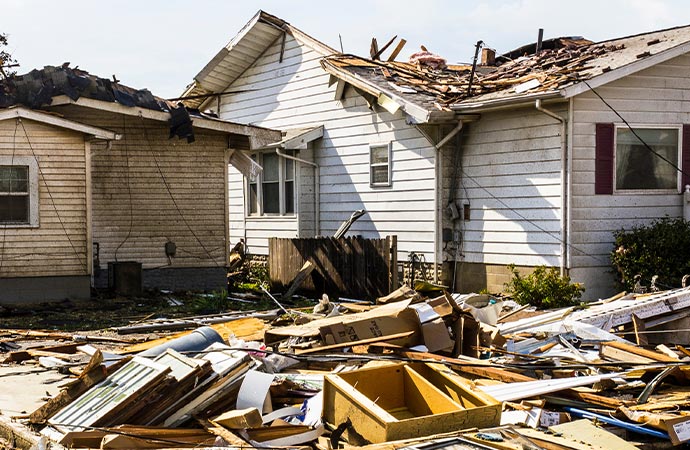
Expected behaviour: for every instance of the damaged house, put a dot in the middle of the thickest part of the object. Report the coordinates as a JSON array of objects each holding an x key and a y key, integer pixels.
[
  {"x": 97, "y": 189},
  {"x": 533, "y": 157}
]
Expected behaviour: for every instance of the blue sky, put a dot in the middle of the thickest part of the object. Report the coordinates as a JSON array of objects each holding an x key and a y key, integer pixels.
[{"x": 162, "y": 44}]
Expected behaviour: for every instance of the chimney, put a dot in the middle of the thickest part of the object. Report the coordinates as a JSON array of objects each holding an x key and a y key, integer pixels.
[
  {"x": 488, "y": 56},
  {"x": 540, "y": 40}
]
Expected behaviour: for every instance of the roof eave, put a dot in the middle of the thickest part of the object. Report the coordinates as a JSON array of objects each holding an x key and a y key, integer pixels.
[
  {"x": 260, "y": 133},
  {"x": 49, "y": 119},
  {"x": 226, "y": 51},
  {"x": 418, "y": 113}
]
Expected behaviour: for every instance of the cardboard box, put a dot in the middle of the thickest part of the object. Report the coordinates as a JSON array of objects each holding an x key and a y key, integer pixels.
[
  {"x": 401, "y": 401},
  {"x": 434, "y": 331},
  {"x": 382, "y": 321}
]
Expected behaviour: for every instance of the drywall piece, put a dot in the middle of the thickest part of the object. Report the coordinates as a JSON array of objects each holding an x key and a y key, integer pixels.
[
  {"x": 586, "y": 432},
  {"x": 415, "y": 400},
  {"x": 255, "y": 391}
]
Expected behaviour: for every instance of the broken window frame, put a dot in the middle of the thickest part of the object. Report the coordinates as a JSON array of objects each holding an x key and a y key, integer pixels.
[
  {"x": 375, "y": 165},
  {"x": 255, "y": 195},
  {"x": 31, "y": 192},
  {"x": 651, "y": 159}
]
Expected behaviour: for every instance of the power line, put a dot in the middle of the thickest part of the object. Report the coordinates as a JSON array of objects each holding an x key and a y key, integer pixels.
[
  {"x": 530, "y": 221},
  {"x": 129, "y": 186},
  {"x": 632, "y": 130},
  {"x": 50, "y": 195}
]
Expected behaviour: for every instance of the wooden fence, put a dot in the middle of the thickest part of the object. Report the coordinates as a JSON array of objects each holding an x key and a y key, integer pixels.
[{"x": 351, "y": 267}]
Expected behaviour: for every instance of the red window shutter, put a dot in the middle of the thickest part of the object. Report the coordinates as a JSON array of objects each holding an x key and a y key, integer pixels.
[
  {"x": 603, "y": 156},
  {"x": 685, "y": 158}
]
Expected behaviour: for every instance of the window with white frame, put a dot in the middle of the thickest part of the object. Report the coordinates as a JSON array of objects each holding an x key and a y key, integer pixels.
[
  {"x": 638, "y": 167},
  {"x": 272, "y": 192},
  {"x": 380, "y": 164},
  {"x": 18, "y": 192}
]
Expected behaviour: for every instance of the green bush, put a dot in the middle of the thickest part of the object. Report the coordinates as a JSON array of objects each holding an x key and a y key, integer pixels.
[
  {"x": 662, "y": 248},
  {"x": 544, "y": 288}
]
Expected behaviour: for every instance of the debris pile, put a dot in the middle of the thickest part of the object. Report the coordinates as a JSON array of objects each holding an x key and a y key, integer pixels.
[{"x": 410, "y": 369}]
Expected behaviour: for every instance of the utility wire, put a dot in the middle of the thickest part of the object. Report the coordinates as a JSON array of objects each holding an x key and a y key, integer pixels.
[
  {"x": 632, "y": 130},
  {"x": 50, "y": 195},
  {"x": 172, "y": 197},
  {"x": 129, "y": 185},
  {"x": 530, "y": 221},
  {"x": 14, "y": 149}
]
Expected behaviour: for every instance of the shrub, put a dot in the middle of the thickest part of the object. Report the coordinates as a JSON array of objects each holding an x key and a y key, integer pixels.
[
  {"x": 544, "y": 288},
  {"x": 662, "y": 248}
]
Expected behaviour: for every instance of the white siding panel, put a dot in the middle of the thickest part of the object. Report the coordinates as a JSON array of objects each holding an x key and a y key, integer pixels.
[
  {"x": 656, "y": 96},
  {"x": 511, "y": 180},
  {"x": 295, "y": 93}
]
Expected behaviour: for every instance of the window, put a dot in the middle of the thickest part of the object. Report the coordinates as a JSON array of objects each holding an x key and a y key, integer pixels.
[
  {"x": 18, "y": 192},
  {"x": 637, "y": 168},
  {"x": 272, "y": 192},
  {"x": 379, "y": 165}
]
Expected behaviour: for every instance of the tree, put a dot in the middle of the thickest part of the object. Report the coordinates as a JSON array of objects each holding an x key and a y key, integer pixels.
[{"x": 6, "y": 60}]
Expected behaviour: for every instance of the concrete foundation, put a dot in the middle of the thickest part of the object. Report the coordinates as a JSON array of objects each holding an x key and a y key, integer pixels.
[{"x": 44, "y": 289}]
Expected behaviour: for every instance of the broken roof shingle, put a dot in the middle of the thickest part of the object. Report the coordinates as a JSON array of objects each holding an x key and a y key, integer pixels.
[{"x": 566, "y": 62}]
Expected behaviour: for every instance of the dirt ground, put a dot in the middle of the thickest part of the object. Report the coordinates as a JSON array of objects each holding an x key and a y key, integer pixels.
[{"x": 104, "y": 311}]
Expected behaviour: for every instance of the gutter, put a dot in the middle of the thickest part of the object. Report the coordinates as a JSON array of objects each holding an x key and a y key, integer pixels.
[
  {"x": 564, "y": 183},
  {"x": 317, "y": 191},
  {"x": 510, "y": 102},
  {"x": 438, "y": 190}
]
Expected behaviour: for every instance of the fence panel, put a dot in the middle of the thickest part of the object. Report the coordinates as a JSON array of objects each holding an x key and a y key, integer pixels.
[{"x": 349, "y": 267}]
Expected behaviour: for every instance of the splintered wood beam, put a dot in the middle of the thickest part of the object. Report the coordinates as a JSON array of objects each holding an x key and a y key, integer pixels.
[
  {"x": 384, "y": 48},
  {"x": 396, "y": 51},
  {"x": 374, "y": 49},
  {"x": 641, "y": 352},
  {"x": 229, "y": 437}
]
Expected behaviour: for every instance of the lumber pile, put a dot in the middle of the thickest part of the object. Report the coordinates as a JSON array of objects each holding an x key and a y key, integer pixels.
[{"x": 402, "y": 370}]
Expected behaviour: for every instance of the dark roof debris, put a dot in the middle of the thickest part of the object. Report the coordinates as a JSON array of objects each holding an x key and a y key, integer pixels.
[{"x": 37, "y": 88}]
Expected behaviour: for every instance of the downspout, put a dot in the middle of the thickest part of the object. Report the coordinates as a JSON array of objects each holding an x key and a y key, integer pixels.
[
  {"x": 564, "y": 183},
  {"x": 317, "y": 190},
  {"x": 438, "y": 190}
]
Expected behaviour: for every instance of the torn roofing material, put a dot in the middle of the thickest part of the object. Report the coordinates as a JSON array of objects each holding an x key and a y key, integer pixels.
[
  {"x": 56, "y": 86},
  {"x": 557, "y": 71},
  {"x": 37, "y": 88}
]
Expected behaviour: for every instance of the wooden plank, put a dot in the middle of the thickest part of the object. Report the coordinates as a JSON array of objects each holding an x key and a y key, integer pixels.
[
  {"x": 398, "y": 48},
  {"x": 477, "y": 367},
  {"x": 649, "y": 355},
  {"x": 230, "y": 437}
]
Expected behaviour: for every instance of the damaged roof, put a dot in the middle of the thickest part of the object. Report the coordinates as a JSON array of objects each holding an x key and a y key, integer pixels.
[
  {"x": 558, "y": 71},
  {"x": 54, "y": 86}
]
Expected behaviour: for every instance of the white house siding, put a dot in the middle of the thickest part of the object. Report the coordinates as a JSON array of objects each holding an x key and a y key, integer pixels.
[
  {"x": 148, "y": 189},
  {"x": 656, "y": 96},
  {"x": 295, "y": 94},
  {"x": 58, "y": 246},
  {"x": 511, "y": 162}
]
